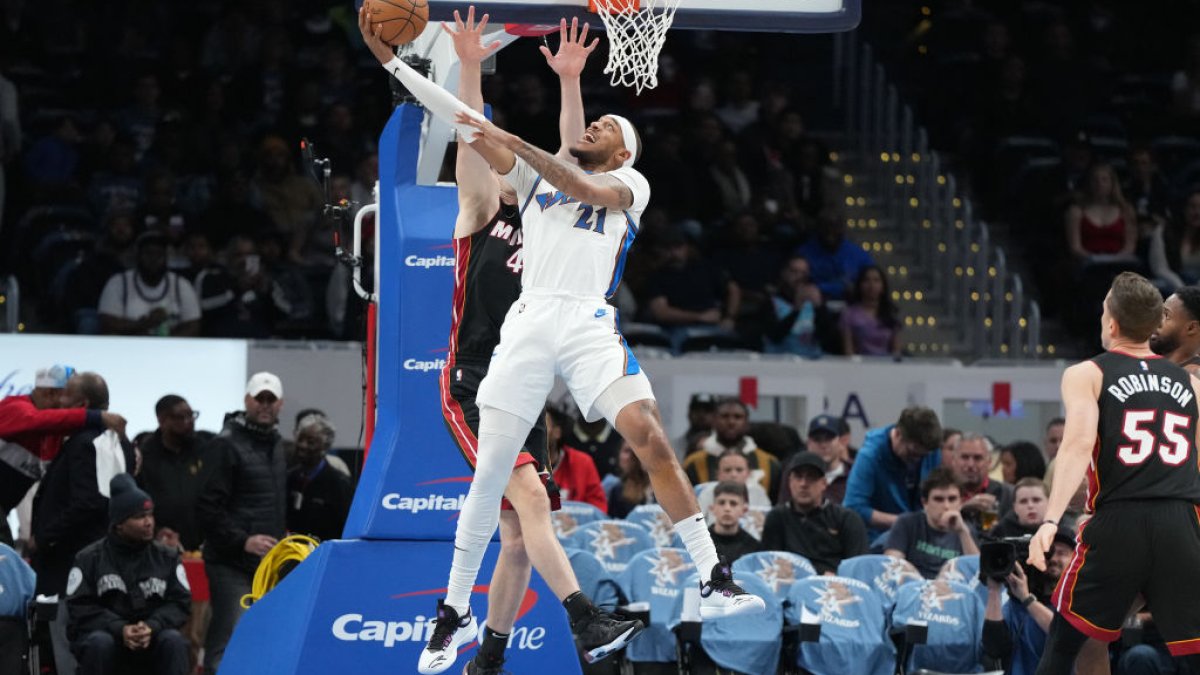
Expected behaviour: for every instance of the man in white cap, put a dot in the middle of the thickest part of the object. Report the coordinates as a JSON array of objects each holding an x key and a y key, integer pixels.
[
  {"x": 32, "y": 428},
  {"x": 242, "y": 508}
]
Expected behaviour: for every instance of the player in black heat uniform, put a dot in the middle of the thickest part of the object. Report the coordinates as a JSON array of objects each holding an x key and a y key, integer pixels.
[{"x": 1132, "y": 428}]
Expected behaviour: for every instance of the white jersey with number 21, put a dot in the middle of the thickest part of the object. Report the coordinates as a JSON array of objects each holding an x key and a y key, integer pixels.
[{"x": 570, "y": 246}]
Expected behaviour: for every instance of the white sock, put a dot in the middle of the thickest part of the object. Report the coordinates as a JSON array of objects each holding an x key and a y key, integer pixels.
[
  {"x": 501, "y": 436},
  {"x": 694, "y": 533}
]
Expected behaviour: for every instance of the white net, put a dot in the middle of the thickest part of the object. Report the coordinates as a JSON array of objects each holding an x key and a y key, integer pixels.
[{"x": 637, "y": 30}]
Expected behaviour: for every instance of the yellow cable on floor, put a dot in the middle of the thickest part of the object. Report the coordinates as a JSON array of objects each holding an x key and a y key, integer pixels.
[{"x": 293, "y": 549}]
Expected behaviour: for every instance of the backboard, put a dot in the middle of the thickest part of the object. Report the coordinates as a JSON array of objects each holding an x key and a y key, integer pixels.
[{"x": 775, "y": 16}]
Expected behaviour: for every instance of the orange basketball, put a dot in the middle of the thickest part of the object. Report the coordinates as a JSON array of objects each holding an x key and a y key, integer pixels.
[{"x": 402, "y": 20}]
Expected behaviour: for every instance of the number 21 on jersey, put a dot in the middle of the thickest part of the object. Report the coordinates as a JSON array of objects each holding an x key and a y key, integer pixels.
[
  {"x": 586, "y": 222},
  {"x": 1135, "y": 427}
]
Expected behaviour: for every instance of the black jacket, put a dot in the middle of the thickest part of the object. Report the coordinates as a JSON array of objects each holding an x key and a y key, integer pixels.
[
  {"x": 245, "y": 494},
  {"x": 318, "y": 506},
  {"x": 174, "y": 481},
  {"x": 826, "y": 535},
  {"x": 115, "y": 583},
  {"x": 69, "y": 511}
]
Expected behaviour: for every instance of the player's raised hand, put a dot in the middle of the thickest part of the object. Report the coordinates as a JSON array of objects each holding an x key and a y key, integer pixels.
[
  {"x": 468, "y": 37},
  {"x": 370, "y": 34},
  {"x": 573, "y": 49},
  {"x": 486, "y": 131},
  {"x": 1042, "y": 540}
]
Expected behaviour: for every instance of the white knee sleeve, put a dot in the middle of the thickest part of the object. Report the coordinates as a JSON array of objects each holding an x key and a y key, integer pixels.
[
  {"x": 623, "y": 391},
  {"x": 501, "y": 436}
]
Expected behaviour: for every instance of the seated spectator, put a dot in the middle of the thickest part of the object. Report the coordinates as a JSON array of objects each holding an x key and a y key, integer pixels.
[
  {"x": 1021, "y": 460},
  {"x": 126, "y": 596},
  {"x": 633, "y": 489},
  {"x": 728, "y": 506},
  {"x": 938, "y": 532},
  {"x": 292, "y": 201},
  {"x": 797, "y": 316},
  {"x": 1014, "y": 634},
  {"x": 149, "y": 300},
  {"x": 318, "y": 495},
  {"x": 1101, "y": 222},
  {"x": 574, "y": 472},
  {"x": 173, "y": 473},
  {"x": 1185, "y": 83},
  {"x": 213, "y": 285},
  {"x": 950, "y": 440},
  {"x": 1054, "y": 436},
  {"x": 835, "y": 261},
  {"x": 289, "y": 447},
  {"x": 702, "y": 411},
  {"x": 118, "y": 185},
  {"x": 810, "y": 525},
  {"x": 890, "y": 466},
  {"x": 753, "y": 264},
  {"x": 234, "y": 210},
  {"x": 1189, "y": 237},
  {"x": 1029, "y": 510},
  {"x": 1147, "y": 190},
  {"x": 984, "y": 500},
  {"x": 870, "y": 323},
  {"x": 733, "y": 467},
  {"x": 826, "y": 441},
  {"x": 724, "y": 187},
  {"x": 687, "y": 295},
  {"x": 16, "y": 592},
  {"x": 730, "y": 433},
  {"x": 289, "y": 289},
  {"x": 257, "y": 301}
]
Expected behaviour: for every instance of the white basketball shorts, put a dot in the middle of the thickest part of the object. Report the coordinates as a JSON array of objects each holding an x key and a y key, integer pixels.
[{"x": 547, "y": 334}]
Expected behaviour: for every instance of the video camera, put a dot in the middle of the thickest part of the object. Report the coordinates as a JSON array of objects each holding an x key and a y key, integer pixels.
[{"x": 998, "y": 558}]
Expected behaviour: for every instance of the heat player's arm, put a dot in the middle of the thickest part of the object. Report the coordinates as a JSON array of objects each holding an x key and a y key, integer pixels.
[
  {"x": 1080, "y": 391},
  {"x": 478, "y": 191}
]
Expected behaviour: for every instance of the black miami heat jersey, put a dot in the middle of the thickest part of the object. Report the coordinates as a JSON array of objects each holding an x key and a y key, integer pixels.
[
  {"x": 1147, "y": 432},
  {"x": 487, "y": 280}
]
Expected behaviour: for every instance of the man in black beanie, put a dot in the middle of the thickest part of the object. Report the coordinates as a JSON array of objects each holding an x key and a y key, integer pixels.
[{"x": 128, "y": 595}]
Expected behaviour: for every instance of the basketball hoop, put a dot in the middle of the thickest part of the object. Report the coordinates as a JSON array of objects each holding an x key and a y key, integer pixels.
[{"x": 637, "y": 30}]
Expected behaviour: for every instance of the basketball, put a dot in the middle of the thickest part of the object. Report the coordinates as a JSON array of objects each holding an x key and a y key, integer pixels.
[{"x": 402, "y": 20}]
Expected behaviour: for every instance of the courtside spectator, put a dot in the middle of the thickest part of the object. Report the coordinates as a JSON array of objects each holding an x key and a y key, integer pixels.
[
  {"x": 825, "y": 439},
  {"x": 835, "y": 261},
  {"x": 242, "y": 509},
  {"x": 981, "y": 494},
  {"x": 810, "y": 525},
  {"x": 870, "y": 324},
  {"x": 318, "y": 494},
  {"x": 1029, "y": 509},
  {"x": 938, "y": 532},
  {"x": 730, "y": 432},
  {"x": 633, "y": 489},
  {"x": 889, "y": 467},
  {"x": 289, "y": 447},
  {"x": 173, "y": 473},
  {"x": 1021, "y": 459},
  {"x": 1053, "y": 439},
  {"x": 128, "y": 597},
  {"x": 728, "y": 506},
  {"x": 702, "y": 412},
  {"x": 732, "y": 467},
  {"x": 149, "y": 300},
  {"x": 574, "y": 473}
]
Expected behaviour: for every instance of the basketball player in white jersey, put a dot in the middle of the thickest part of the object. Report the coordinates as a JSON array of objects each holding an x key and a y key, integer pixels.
[{"x": 579, "y": 223}]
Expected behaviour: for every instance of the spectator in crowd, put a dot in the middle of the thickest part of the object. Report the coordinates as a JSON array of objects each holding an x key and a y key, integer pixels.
[
  {"x": 752, "y": 262},
  {"x": 70, "y": 508},
  {"x": 1147, "y": 189},
  {"x": 827, "y": 442},
  {"x": 950, "y": 441},
  {"x": 688, "y": 296},
  {"x": 173, "y": 473},
  {"x": 242, "y": 507},
  {"x": 234, "y": 210},
  {"x": 318, "y": 495},
  {"x": 1029, "y": 509},
  {"x": 292, "y": 201},
  {"x": 938, "y": 532},
  {"x": 17, "y": 582},
  {"x": 31, "y": 431},
  {"x": 702, "y": 412},
  {"x": 574, "y": 472},
  {"x": 257, "y": 299},
  {"x": 1102, "y": 222},
  {"x": 729, "y": 504},
  {"x": 893, "y": 460},
  {"x": 633, "y": 489},
  {"x": 212, "y": 283},
  {"x": 870, "y": 324},
  {"x": 984, "y": 500},
  {"x": 732, "y": 467},
  {"x": 118, "y": 185},
  {"x": 1189, "y": 236},
  {"x": 724, "y": 187},
  {"x": 149, "y": 300},
  {"x": 128, "y": 596},
  {"x": 598, "y": 440},
  {"x": 289, "y": 447},
  {"x": 1014, "y": 634},
  {"x": 1054, "y": 436},
  {"x": 731, "y": 432},
  {"x": 1021, "y": 460},
  {"x": 797, "y": 316},
  {"x": 836, "y": 262},
  {"x": 1185, "y": 83},
  {"x": 810, "y": 525}
]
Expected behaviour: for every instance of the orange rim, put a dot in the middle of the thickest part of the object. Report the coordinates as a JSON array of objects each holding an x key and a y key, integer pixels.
[{"x": 614, "y": 6}]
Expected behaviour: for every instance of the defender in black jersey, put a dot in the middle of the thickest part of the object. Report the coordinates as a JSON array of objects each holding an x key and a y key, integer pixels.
[{"x": 1132, "y": 421}]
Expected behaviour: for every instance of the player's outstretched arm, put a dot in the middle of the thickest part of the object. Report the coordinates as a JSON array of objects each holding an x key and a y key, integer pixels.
[
  {"x": 478, "y": 192},
  {"x": 568, "y": 63},
  {"x": 501, "y": 149},
  {"x": 1080, "y": 388}
]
